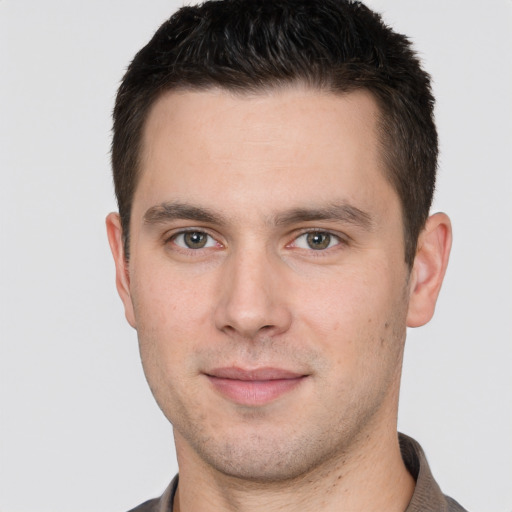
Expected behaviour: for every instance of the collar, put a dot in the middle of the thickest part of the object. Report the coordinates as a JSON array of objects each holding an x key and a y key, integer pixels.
[{"x": 427, "y": 496}]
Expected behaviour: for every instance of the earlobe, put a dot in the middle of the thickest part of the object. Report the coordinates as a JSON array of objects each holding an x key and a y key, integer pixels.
[
  {"x": 429, "y": 268},
  {"x": 115, "y": 239}
]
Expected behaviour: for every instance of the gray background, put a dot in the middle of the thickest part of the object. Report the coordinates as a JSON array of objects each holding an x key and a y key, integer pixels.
[{"x": 78, "y": 428}]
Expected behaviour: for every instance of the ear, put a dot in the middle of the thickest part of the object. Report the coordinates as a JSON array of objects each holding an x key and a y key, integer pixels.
[
  {"x": 115, "y": 239},
  {"x": 428, "y": 270}
]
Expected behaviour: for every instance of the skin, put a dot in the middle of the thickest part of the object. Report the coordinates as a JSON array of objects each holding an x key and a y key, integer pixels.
[{"x": 251, "y": 176}]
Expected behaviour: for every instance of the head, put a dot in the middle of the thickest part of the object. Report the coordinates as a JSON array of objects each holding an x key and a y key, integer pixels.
[
  {"x": 244, "y": 46},
  {"x": 274, "y": 163}
]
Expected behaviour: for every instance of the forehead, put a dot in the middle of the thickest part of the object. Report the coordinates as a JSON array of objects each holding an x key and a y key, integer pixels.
[
  {"x": 290, "y": 142},
  {"x": 261, "y": 114}
]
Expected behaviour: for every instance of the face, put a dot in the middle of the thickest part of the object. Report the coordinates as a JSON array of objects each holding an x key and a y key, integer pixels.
[{"x": 267, "y": 280}]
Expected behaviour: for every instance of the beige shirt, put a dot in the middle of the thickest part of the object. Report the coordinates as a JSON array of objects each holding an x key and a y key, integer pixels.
[{"x": 427, "y": 495}]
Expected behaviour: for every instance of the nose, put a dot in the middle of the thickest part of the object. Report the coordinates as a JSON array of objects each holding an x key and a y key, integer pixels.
[{"x": 252, "y": 302}]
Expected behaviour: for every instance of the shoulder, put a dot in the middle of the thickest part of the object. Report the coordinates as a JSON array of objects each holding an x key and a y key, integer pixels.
[
  {"x": 162, "y": 504},
  {"x": 427, "y": 496},
  {"x": 454, "y": 506},
  {"x": 147, "y": 506}
]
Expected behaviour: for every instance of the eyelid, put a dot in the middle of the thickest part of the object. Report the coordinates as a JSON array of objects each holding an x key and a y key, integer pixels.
[
  {"x": 171, "y": 237},
  {"x": 341, "y": 239}
]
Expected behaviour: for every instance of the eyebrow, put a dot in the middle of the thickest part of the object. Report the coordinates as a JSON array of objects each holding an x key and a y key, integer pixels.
[
  {"x": 342, "y": 212},
  {"x": 166, "y": 212}
]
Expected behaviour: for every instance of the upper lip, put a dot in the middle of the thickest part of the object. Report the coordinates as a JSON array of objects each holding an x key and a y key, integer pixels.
[{"x": 256, "y": 374}]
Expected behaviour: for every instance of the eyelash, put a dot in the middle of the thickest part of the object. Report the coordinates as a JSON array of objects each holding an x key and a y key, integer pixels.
[
  {"x": 339, "y": 241},
  {"x": 332, "y": 237},
  {"x": 184, "y": 232}
]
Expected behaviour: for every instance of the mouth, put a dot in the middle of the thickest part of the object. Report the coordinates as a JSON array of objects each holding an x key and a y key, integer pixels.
[{"x": 254, "y": 387}]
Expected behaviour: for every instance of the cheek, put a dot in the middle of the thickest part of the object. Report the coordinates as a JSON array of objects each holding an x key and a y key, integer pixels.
[
  {"x": 357, "y": 317},
  {"x": 172, "y": 317},
  {"x": 171, "y": 321},
  {"x": 345, "y": 302}
]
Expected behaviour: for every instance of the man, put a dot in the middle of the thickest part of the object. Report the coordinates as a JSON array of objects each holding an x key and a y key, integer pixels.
[{"x": 274, "y": 164}]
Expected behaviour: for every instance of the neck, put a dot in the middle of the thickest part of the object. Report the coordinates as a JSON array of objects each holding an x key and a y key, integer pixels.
[{"x": 372, "y": 477}]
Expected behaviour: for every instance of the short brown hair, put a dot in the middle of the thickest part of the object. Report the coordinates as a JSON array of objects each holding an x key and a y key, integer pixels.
[{"x": 252, "y": 45}]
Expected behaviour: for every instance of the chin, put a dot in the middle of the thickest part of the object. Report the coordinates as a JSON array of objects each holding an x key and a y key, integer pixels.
[
  {"x": 258, "y": 457},
  {"x": 260, "y": 467}
]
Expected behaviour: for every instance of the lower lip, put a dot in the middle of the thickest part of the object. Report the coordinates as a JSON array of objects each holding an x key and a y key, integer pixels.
[{"x": 254, "y": 392}]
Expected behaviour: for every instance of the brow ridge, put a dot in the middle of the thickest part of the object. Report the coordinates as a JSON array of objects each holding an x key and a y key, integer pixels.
[
  {"x": 344, "y": 212},
  {"x": 169, "y": 211},
  {"x": 336, "y": 212}
]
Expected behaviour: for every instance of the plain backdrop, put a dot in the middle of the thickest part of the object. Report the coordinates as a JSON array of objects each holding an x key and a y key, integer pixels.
[{"x": 79, "y": 430}]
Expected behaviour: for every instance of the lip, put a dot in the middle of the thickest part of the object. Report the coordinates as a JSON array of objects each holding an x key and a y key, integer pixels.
[{"x": 254, "y": 387}]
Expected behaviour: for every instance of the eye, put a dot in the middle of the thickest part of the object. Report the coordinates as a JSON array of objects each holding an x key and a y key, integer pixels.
[
  {"x": 194, "y": 240},
  {"x": 316, "y": 240}
]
